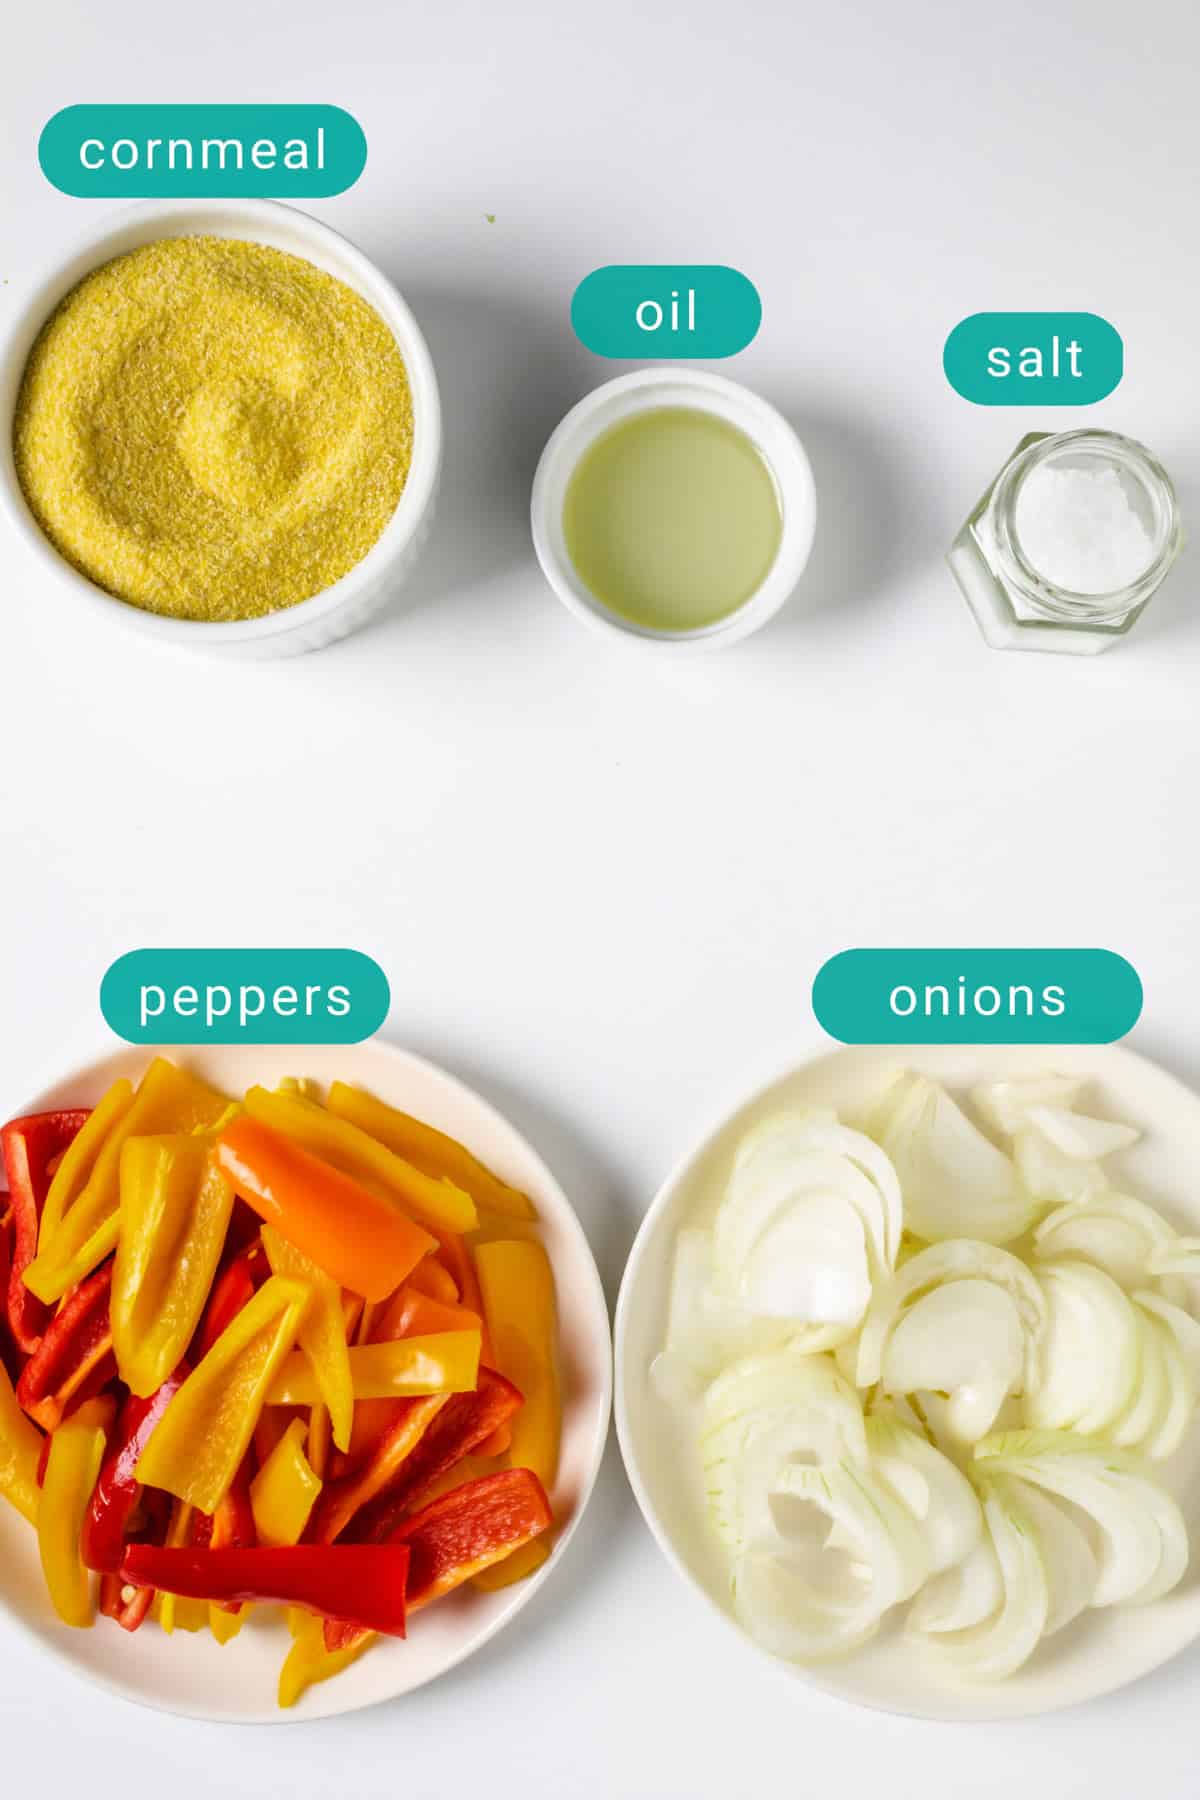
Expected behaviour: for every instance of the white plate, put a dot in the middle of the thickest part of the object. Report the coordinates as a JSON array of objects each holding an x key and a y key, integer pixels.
[
  {"x": 194, "y": 1675},
  {"x": 1102, "y": 1650}
]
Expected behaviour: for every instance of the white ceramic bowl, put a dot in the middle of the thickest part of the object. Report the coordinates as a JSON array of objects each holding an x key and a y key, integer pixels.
[
  {"x": 1102, "y": 1650},
  {"x": 643, "y": 391},
  {"x": 367, "y": 588},
  {"x": 193, "y": 1675}
]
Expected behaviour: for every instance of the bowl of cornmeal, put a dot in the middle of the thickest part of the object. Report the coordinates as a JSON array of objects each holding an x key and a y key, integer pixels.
[{"x": 224, "y": 428}]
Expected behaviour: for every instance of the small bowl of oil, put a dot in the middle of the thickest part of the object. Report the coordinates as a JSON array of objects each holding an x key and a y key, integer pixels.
[{"x": 675, "y": 507}]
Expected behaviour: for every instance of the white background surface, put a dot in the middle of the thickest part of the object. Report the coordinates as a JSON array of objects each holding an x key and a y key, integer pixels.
[{"x": 601, "y": 885}]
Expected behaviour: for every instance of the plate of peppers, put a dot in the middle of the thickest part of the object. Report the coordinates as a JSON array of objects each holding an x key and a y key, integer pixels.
[{"x": 304, "y": 1363}]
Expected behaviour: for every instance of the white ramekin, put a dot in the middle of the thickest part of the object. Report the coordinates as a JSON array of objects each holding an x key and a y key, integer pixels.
[
  {"x": 643, "y": 391},
  {"x": 367, "y": 588}
]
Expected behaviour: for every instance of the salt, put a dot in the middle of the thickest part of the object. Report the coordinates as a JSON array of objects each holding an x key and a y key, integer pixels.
[{"x": 1077, "y": 528}]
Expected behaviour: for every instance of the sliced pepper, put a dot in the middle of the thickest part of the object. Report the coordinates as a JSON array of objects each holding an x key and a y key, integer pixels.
[
  {"x": 285, "y": 1490},
  {"x": 447, "y": 1363},
  {"x": 74, "y": 1359},
  {"x": 235, "y": 1286},
  {"x": 518, "y": 1299},
  {"x": 409, "y": 1313},
  {"x": 464, "y": 1425},
  {"x": 434, "y": 1200},
  {"x": 80, "y": 1218},
  {"x": 20, "y": 1453},
  {"x": 429, "y": 1150},
  {"x": 318, "y": 1439},
  {"x": 359, "y": 1238},
  {"x": 76, "y": 1455},
  {"x": 362, "y": 1584},
  {"x": 175, "y": 1212},
  {"x": 516, "y": 1566},
  {"x": 31, "y": 1147},
  {"x": 459, "y": 1535},
  {"x": 173, "y": 1613},
  {"x": 199, "y": 1444},
  {"x": 322, "y": 1335},
  {"x": 128, "y": 1606},
  {"x": 342, "y": 1500},
  {"x": 308, "y": 1661},
  {"x": 457, "y": 1258},
  {"x": 118, "y": 1489},
  {"x": 432, "y": 1277}
]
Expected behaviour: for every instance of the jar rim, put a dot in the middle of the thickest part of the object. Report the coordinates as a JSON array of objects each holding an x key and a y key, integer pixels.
[{"x": 1065, "y": 604}]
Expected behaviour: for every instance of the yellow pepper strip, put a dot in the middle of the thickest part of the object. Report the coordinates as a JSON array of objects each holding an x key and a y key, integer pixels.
[
  {"x": 522, "y": 1563},
  {"x": 198, "y": 1444},
  {"x": 308, "y": 1661},
  {"x": 72, "y": 1468},
  {"x": 172, "y": 1610},
  {"x": 284, "y": 1491},
  {"x": 518, "y": 1300},
  {"x": 445, "y": 1362},
  {"x": 323, "y": 1333},
  {"x": 430, "y": 1199},
  {"x": 80, "y": 1224},
  {"x": 224, "y": 1624},
  {"x": 20, "y": 1449},
  {"x": 300, "y": 1086},
  {"x": 175, "y": 1212},
  {"x": 429, "y": 1150}
]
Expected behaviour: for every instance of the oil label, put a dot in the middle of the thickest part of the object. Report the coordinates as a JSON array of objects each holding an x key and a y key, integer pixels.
[
  {"x": 245, "y": 996},
  {"x": 202, "y": 152},
  {"x": 666, "y": 311},
  {"x": 1002, "y": 996},
  {"x": 1034, "y": 358}
]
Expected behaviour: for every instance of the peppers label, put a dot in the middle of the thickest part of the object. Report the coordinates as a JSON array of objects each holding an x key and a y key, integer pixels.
[
  {"x": 977, "y": 996},
  {"x": 1034, "y": 359},
  {"x": 666, "y": 310},
  {"x": 245, "y": 996},
  {"x": 202, "y": 152}
]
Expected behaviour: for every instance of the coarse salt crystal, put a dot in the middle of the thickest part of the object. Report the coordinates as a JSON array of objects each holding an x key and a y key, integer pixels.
[{"x": 1077, "y": 528}]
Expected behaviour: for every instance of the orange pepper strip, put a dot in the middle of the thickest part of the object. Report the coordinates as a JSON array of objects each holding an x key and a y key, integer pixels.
[
  {"x": 341, "y": 1500},
  {"x": 409, "y": 1313},
  {"x": 360, "y": 1239},
  {"x": 432, "y": 1277}
]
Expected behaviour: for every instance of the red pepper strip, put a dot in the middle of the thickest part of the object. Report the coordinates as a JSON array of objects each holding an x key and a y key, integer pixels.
[
  {"x": 457, "y": 1257},
  {"x": 361, "y": 1584},
  {"x": 129, "y": 1613},
  {"x": 30, "y": 1145},
  {"x": 233, "y": 1288},
  {"x": 74, "y": 1359},
  {"x": 464, "y": 1424},
  {"x": 339, "y": 1501},
  {"x": 117, "y": 1491},
  {"x": 231, "y": 1527},
  {"x": 460, "y": 1534}
]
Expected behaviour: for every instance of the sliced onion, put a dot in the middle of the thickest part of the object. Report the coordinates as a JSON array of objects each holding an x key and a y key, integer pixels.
[
  {"x": 955, "y": 1182},
  {"x": 935, "y": 1491},
  {"x": 784, "y": 1595},
  {"x": 706, "y": 1330},
  {"x": 960, "y": 1597},
  {"x": 1081, "y": 1138},
  {"x": 1090, "y": 1354},
  {"x": 1142, "y": 1544},
  {"x": 1120, "y": 1235},
  {"x": 1050, "y": 1177},
  {"x": 1178, "y": 1256},
  {"x": 1005, "y": 1105},
  {"x": 1182, "y": 1394},
  {"x": 1068, "y": 1559},
  {"x": 1183, "y": 1328},
  {"x": 1001, "y": 1643},
  {"x": 958, "y": 1259},
  {"x": 966, "y": 1339},
  {"x": 1146, "y": 1412},
  {"x": 763, "y": 1413}
]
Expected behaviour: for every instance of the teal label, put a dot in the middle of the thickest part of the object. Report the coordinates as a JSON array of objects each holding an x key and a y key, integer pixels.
[
  {"x": 202, "y": 152},
  {"x": 977, "y": 997},
  {"x": 666, "y": 310},
  {"x": 1034, "y": 358},
  {"x": 245, "y": 996}
]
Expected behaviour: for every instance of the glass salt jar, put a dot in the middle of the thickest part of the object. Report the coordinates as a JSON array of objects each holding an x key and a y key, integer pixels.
[{"x": 1069, "y": 543}]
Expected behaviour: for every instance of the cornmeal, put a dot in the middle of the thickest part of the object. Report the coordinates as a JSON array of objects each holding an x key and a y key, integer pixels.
[{"x": 213, "y": 429}]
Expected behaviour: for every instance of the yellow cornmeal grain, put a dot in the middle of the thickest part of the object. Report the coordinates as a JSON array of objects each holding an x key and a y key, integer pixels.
[{"x": 213, "y": 429}]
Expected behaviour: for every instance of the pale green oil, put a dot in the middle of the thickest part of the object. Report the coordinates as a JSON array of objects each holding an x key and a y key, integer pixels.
[{"x": 672, "y": 518}]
